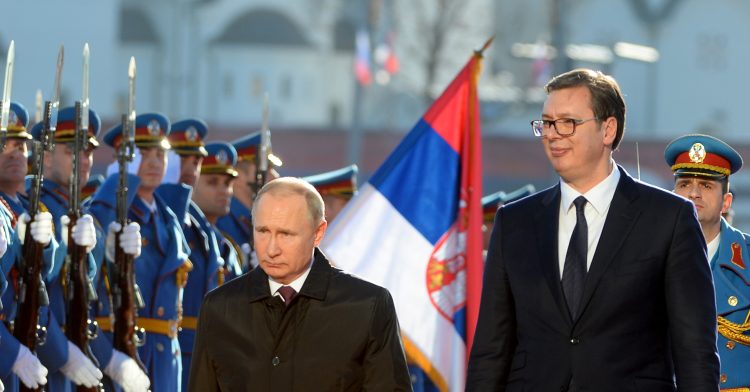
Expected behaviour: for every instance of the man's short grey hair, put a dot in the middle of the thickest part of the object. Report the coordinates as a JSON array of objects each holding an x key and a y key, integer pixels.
[{"x": 286, "y": 186}]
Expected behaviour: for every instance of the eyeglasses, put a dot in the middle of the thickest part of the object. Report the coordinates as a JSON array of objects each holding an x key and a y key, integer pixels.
[{"x": 563, "y": 126}]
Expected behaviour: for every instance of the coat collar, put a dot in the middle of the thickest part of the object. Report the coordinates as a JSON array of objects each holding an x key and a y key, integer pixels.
[{"x": 316, "y": 284}]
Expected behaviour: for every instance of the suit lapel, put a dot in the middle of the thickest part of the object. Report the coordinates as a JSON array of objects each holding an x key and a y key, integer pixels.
[
  {"x": 546, "y": 224},
  {"x": 619, "y": 222}
]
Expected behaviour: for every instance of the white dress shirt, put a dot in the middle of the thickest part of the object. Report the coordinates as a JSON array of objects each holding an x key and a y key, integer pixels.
[
  {"x": 296, "y": 284},
  {"x": 599, "y": 199},
  {"x": 713, "y": 247}
]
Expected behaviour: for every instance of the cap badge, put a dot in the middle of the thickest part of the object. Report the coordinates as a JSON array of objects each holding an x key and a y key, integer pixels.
[
  {"x": 697, "y": 153},
  {"x": 222, "y": 157},
  {"x": 12, "y": 118},
  {"x": 154, "y": 129},
  {"x": 191, "y": 134}
]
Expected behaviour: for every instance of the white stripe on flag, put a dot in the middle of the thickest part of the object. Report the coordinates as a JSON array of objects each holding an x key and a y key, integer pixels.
[{"x": 371, "y": 239}]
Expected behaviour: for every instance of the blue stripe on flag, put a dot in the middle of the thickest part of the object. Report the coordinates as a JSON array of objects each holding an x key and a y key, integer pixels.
[
  {"x": 420, "y": 178},
  {"x": 459, "y": 322}
]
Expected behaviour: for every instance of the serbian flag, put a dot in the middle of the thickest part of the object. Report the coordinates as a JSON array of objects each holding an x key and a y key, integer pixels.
[{"x": 415, "y": 228}]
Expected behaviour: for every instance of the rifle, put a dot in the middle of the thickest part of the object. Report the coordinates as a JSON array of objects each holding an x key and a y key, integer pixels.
[
  {"x": 80, "y": 291},
  {"x": 126, "y": 296},
  {"x": 261, "y": 158},
  {"x": 32, "y": 292}
]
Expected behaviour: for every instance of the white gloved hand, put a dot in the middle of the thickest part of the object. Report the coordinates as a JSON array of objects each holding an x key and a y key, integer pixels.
[
  {"x": 126, "y": 372},
  {"x": 84, "y": 232},
  {"x": 80, "y": 369},
  {"x": 130, "y": 239},
  {"x": 41, "y": 228},
  {"x": 2, "y": 387},
  {"x": 29, "y": 370}
]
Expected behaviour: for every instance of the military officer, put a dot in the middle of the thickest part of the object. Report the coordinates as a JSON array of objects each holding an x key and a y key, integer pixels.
[
  {"x": 161, "y": 268},
  {"x": 17, "y": 362},
  {"x": 702, "y": 165},
  {"x": 210, "y": 267},
  {"x": 55, "y": 196},
  {"x": 237, "y": 225},
  {"x": 336, "y": 187}
]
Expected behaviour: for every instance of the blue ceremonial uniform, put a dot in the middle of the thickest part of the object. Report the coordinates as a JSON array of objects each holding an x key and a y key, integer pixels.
[
  {"x": 712, "y": 161},
  {"x": 210, "y": 267},
  {"x": 237, "y": 228},
  {"x": 56, "y": 199},
  {"x": 161, "y": 269},
  {"x": 732, "y": 284}
]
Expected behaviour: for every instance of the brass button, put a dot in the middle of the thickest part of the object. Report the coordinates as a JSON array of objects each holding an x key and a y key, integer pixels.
[
  {"x": 144, "y": 241},
  {"x": 733, "y": 300},
  {"x": 723, "y": 378},
  {"x": 160, "y": 311},
  {"x": 730, "y": 345},
  {"x": 159, "y": 347}
]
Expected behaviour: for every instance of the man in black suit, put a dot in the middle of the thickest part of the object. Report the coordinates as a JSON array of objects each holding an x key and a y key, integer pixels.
[
  {"x": 601, "y": 282},
  {"x": 296, "y": 323}
]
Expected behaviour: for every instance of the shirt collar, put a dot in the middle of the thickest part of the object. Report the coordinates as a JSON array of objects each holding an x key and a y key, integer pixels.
[
  {"x": 600, "y": 196},
  {"x": 296, "y": 284}
]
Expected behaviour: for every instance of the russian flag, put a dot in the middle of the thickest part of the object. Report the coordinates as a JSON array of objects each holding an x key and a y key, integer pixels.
[
  {"x": 362, "y": 60},
  {"x": 415, "y": 228}
]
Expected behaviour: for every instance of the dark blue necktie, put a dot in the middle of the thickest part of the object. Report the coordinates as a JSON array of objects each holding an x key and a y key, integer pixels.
[{"x": 574, "y": 271}]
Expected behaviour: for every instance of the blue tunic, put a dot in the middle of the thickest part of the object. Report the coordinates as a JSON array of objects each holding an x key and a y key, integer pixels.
[
  {"x": 54, "y": 352},
  {"x": 161, "y": 272},
  {"x": 732, "y": 284},
  {"x": 56, "y": 200}
]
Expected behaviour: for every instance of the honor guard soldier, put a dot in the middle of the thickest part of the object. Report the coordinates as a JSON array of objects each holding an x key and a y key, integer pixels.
[
  {"x": 702, "y": 165},
  {"x": 55, "y": 196},
  {"x": 210, "y": 267},
  {"x": 212, "y": 195},
  {"x": 336, "y": 187},
  {"x": 17, "y": 362},
  {"x": 237, "y": 225},
  {"x": 162, "y": 267}
]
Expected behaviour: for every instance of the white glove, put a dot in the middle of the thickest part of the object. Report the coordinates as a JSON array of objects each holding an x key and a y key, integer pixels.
[
  {"x": 80, "y": 369},
  {"x": 130, "y": 239},
  {"x": 41, "y": 228},
  {"x": 84, "y": 233},
  {"x": 29, "y": 370},
  {"x": 2, "y": 387},
  {"x": 126, "y": 372},
  {"x": 3, "y": 249}
]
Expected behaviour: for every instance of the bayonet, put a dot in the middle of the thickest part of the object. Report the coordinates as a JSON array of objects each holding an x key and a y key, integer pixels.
[
  {"x": 265, "y": 140},
  {"x": 85, "y": 93},
  {"x": 7, "y": 87},
  {"x": 39, "y": 106}
]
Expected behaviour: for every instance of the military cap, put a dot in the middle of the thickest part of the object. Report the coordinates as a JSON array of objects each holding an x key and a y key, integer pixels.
[
  {"x": 151, "y": 130},
  {"x": 247, "y": 149},
  {"x": 341, "y": 182},
  {"x": 91, "y": 186},
  {"x": 18, "y": 121},
  {"x": 490, "y": 204},
  {"x": 702, "y": 155},
  {"x": 186, "y": 137},
  {"x": 66, "y": 126},
  {"x": 221, "y": 159}
]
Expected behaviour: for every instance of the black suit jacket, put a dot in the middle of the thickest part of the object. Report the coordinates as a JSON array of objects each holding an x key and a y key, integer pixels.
[
  {"x": 340, "y": 333},
  {"x": 648, "y": 316}
]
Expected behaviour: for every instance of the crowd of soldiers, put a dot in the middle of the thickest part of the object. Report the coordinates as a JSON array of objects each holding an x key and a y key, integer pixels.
[{"x": 188, "y": 230}]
